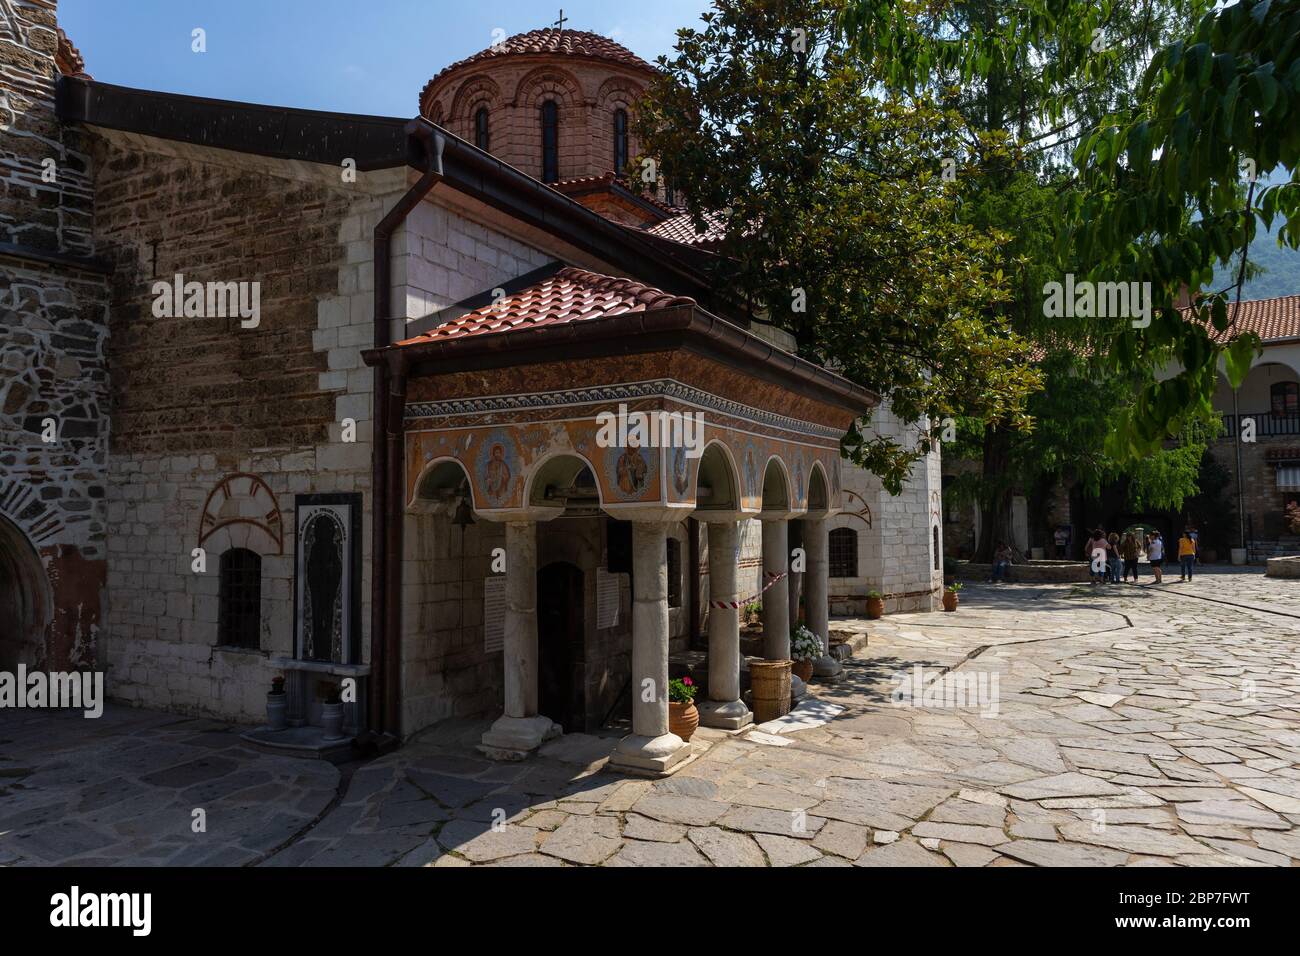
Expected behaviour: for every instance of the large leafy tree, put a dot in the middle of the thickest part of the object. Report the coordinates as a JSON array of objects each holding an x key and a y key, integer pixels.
[
  {"x": 1170, "y": 188},
  {"x": 1029, "y": 78},
  {"x": 840, "y": 225}
]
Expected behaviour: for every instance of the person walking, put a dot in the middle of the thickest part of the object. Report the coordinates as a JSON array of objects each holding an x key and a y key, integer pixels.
[
  {"x": 1096, "y": 551},
  {"x": 1129, "y": 550},
  {"x": 1156, "y": 555},
  {"x": 1113, "y": 558},
  {"x": 1186, "y": 555}
]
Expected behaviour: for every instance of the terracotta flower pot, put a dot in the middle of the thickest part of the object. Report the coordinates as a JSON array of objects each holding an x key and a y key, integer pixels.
[
  {"x": 802, "y": 670},
  {"x": 950, "y": 600},
  {"x": 875, "y": 608},
  {"x": 683, "y": 719}
]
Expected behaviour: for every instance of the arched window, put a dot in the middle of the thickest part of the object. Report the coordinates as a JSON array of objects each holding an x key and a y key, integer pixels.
[
  {"x": 481, "y": 138},
  {"x": 550, "y": 141},
  {"x": 674, "y": 564},
  {"x": 1285, "y": 399},
  {"x": 620, "y": 141},
  {"x": 844, "y": 553},
  {"x": 239, "y": 617}
]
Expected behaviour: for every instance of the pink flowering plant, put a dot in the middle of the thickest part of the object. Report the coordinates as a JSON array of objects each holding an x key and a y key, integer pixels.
[{"x": 681, "y": 690}]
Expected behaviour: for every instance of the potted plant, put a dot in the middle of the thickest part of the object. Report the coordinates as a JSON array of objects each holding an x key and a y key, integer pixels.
[
  {"x": 875, "y": 605},
  {"x": 950, "y": 596},
  {"x": 753, "y": 610},
  {"x": 805, "y": 648},
  {"x": 331, "y": 714},
  {"x": 277, "y": 705},
  {"x": 683, "y": 718}
]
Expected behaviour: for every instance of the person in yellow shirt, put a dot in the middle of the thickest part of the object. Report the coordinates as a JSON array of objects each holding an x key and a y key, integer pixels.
[{"x": 1186, "y": 555}]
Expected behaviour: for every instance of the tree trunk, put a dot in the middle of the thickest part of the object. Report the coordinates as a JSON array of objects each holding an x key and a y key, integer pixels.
[{"x": 995, "y": 503}]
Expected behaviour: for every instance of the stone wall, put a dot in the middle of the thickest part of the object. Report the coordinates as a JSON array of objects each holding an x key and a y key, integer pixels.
[
  {"x": 896, "y": 534},
  {"x": 198, "y": 400},
  {"x": 53, "y": 377}
]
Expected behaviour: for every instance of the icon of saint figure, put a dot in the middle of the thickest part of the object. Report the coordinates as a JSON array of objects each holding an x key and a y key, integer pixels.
[{"x": 498, "y": 472}]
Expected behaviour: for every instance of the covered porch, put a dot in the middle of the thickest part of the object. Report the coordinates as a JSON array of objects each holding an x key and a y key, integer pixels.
[{"x": 579, "y": 423}]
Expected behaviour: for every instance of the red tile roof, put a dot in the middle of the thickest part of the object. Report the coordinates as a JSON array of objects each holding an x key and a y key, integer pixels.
[
  {"x": 1271, "y": 319},
  {"x": 579, "y": 43},
  {"x": 571, "y": 295},
  {"x": 680, "y": 229}
]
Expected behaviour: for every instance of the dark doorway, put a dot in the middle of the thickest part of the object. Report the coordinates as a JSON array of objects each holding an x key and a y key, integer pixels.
[
  {"x": 25, "y": 606},
  {"x": 560, "y": 646}
]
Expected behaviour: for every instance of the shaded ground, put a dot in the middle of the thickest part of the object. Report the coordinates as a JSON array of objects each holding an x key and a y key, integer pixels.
[{"x": 1117, "y": 726}]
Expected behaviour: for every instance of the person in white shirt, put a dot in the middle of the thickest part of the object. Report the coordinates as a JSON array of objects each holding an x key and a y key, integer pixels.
[{"x": 1156, "y": 555}]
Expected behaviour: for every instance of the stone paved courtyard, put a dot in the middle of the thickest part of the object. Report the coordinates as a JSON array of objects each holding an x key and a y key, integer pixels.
[{"x": 1129, "y": 726}]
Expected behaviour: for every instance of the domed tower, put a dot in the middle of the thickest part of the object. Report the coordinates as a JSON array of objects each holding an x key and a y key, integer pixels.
[{"x": 558, "y": 105}]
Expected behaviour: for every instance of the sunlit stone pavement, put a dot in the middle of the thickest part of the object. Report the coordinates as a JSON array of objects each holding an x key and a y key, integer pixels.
[{"x": 1070, "y": 725}]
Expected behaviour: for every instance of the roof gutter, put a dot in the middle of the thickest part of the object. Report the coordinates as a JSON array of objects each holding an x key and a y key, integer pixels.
[{"x": 387, "y": 453}]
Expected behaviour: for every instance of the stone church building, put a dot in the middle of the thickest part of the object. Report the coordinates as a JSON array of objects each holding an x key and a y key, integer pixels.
[{"x": 324, "y": 396}]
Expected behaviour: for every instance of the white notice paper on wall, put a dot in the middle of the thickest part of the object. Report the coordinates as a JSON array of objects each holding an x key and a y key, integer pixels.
[
  {"x": 607, "y": 594},
  {"x": 494, "y": 612}
]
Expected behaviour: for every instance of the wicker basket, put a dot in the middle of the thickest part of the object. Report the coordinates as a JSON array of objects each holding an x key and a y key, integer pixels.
[{"x": 769, "y": 682}]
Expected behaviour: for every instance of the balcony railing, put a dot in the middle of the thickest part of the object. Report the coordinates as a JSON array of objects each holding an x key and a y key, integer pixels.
[{"x": 1267, "y": 424}]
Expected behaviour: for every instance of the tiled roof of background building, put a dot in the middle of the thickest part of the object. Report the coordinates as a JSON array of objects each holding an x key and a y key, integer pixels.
[
  {"x": 571, "y": 295},
  {"x": 681, "y": 229},
  {"x": 1270, "y": 319}
]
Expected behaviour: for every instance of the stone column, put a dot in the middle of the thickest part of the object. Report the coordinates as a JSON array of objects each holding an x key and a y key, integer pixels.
[
  {"x": 776, "y": 599},
  {"x": 816, "y": 584},
  {"x": 724, "y": 708},
  {"x": 650, "y": 749},
  {"x": 520, "y": 729}
]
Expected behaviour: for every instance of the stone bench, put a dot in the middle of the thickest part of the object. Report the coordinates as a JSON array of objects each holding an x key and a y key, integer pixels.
[{"x": 1283, "y": 567}]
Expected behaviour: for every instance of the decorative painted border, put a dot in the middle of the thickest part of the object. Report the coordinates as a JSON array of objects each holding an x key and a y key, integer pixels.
[{"x": 666, "y": 388}]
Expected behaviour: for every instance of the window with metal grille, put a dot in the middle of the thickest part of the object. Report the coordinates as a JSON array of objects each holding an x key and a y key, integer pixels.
[
  {"x": 240, "y": 604},
  {"x": 550, "y": 141},
  {"x": 674, "y": 562},
  {"x": 844, "y": 553},
  {"x": 620, "y": 141},
  {"x": 1285, "y": 399},
  {"x": 481, "y": 138}
]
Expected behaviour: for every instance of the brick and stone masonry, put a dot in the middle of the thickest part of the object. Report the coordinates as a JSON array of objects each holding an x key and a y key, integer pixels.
[{"x": 53, "y": 376}]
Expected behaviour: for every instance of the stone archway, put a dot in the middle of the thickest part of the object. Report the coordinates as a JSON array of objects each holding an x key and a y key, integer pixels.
[{"x": 26, "y": 606}]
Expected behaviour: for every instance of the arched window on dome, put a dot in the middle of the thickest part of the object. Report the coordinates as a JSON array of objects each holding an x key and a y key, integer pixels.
[
  {"x": 620, "y": 141},
  {"x": 481, "y": 137},
  {"x": 550, "y": 141}
]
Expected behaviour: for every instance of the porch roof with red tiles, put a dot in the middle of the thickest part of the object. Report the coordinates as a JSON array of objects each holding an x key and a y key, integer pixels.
[
  {"x": 1273, "y": 320},
  {"x": 571, "y": 295}
]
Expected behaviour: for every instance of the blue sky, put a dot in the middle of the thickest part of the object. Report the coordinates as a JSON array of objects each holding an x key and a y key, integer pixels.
[{"x": 351, "y": 56}]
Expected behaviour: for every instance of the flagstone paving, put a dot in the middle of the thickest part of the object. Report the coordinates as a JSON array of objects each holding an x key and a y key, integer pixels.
[{"x": 1110, "y": 726}]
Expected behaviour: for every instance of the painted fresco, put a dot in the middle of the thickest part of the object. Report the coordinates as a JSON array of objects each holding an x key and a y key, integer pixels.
[{"x": 501, "y": 458}]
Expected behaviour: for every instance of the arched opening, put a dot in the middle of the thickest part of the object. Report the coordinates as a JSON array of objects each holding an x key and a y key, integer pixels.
[
  {"x": 560, "y": 636},
  {"x": 550, "y": 141},
  {"x": 717, "y": 484},
  {"x": 482, "y": 136},
  {"x": 564, "y": 481},
  {"x": 26, "y": 605},
  {"x": 819, "y": 498},
  {"x": 776, "y": 489}
]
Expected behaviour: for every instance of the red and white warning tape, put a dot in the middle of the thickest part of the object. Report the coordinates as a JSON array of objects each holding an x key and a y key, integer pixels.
[{"x": 773, "y": 576}]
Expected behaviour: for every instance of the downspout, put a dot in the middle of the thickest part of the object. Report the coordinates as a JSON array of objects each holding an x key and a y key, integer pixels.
[{"x": 387, "y": 484}]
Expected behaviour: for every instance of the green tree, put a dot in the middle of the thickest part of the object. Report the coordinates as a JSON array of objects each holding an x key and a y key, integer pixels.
[
  {"x": 840, "y": 225},
  {"x": 1028, "y": 78}
]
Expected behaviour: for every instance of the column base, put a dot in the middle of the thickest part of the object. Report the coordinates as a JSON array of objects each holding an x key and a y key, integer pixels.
[
  {"x": 514, "y": 738},
  {"x": 649, "y": 756},
  {"x": 827, "y": 668},
  {"x": 725, "y": 715}
]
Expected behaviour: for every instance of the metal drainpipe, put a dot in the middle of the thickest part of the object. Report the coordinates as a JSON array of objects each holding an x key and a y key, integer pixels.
[
  {"x": 386, "y": 576},
  {"x": 1241, "y": 492}
]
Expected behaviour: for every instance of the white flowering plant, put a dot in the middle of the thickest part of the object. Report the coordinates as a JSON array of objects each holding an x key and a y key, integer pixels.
[{"x": 804, "y": 644}]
